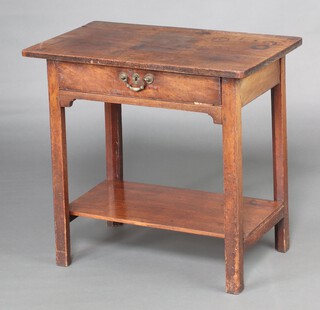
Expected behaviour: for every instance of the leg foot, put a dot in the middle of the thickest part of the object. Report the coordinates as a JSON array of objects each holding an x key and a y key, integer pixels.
[
  {"x": 282, "y": 242},
  {"x": 63, "y": 259},
  {"x": 234, "y": 269}
]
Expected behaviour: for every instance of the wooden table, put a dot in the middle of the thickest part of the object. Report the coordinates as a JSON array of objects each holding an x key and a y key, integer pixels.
[{"x": 213, "y": 72}]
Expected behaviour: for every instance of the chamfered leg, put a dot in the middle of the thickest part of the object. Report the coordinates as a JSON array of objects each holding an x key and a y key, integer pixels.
[
  {"x": 59, "y": 169},
  {"x": 280, "y": 165},
  {"x": 232, "y": 161}
]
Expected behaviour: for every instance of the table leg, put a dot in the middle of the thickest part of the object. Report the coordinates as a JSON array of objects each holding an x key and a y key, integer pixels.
[
  {"x": 114, "y": 157},
  {"x": 280, "y": 167},
  {"x": 232, "y": 161},
  {"x": 59, "y": 170}
]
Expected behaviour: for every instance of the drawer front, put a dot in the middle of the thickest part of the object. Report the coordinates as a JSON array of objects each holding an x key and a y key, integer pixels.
[{"x": 170, "y": 87}]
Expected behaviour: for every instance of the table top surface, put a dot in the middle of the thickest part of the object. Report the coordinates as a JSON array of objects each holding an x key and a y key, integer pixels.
[{"x": 182, "y": 50}]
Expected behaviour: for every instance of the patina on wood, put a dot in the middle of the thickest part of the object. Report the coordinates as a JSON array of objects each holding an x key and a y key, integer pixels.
[
  {"x": 189, "y": 51},
  {"x": 177, "y": 88},
  {"x": 177, "y": 209},
  {"x": 280, "y": 161},
  {"x": 213, "y": 72},
  {"x": 59, "y": 169},
  {"x": 114, "y": 156}
]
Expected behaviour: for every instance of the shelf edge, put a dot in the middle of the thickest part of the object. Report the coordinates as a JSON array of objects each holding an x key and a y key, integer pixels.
[{"x": 269, "y": 222}]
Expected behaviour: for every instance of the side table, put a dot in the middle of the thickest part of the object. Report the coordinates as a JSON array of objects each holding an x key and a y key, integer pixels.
[{"x": 213, "y": 72}]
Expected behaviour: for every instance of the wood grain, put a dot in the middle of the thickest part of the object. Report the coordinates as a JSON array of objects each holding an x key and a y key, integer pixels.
[
  {"x": 280, "y": 164},
  {"x": 259, "y": 82},
  {"x": 59, "y": 169},
  {"x": 171, "y": 87},
  {"x": 67, "y": 97},
  {"x": 170, "y": 208},
  {"x": 232, "y": 171},
  {"x": 214, "y": 72},
  {"x": 114, "y": 153},
  {"x": 114, "y": 156},
  {"x": 181, "y": 50},
  {"x": 264, "y": 226}
]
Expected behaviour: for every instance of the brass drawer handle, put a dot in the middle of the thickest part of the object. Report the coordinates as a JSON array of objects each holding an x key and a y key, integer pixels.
[{"x": 147, "y": 80}]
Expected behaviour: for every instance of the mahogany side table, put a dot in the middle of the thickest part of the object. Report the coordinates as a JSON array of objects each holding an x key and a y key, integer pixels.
[{"x": 213, "y": 72}]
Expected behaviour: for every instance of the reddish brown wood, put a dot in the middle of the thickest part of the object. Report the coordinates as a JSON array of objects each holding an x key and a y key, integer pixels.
[
  {"x": 280, "y": 165},
  {"x": 188, "y": 51},
  {"x": 213, "y": 72},
  {"x": 264, "y": 226},
  {"x": 214, "y": 111},
  {"x": 177, "y": 88},
  {"x": 177, "y": 209},
  {"x": 59, "y": 169},
  {"x": 232, "y": 170},
  {"x": 114, "y": 155},
  {"x": 259, "y": 82}
]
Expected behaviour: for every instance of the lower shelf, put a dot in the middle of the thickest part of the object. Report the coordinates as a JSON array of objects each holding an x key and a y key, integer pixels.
[{"x": 183, "y": 210}]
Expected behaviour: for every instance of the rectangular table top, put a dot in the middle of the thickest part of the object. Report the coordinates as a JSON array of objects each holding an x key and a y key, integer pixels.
[{"x": 182, "y": 50}]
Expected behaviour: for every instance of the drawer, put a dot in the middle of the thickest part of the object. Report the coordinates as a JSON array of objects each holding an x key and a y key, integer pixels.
[{"x": 169, "y": 87}]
